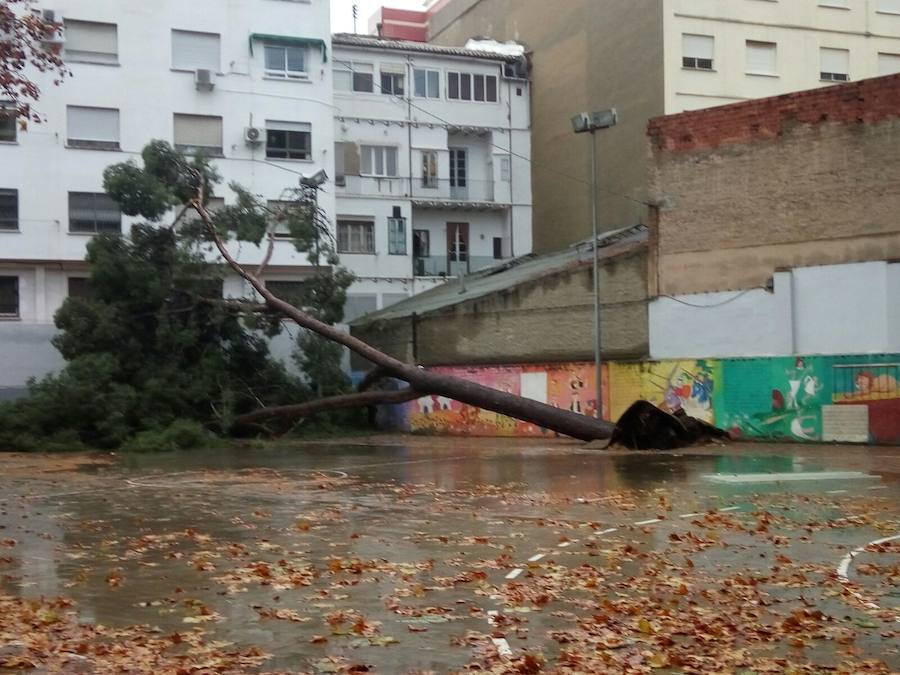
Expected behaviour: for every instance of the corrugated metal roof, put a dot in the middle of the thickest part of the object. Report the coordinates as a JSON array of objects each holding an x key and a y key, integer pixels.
[
  {"x": 510, "y": 274},
  {"x": 373, "y": 42}
]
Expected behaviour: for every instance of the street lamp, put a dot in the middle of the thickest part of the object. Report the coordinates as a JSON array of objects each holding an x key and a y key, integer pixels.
[{"x": 590, "y": 123}]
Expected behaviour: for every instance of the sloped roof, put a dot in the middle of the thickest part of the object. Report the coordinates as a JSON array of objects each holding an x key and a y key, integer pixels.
[
  {"x": 373, "y": 42},
  {"x": 510, "y": 274}
]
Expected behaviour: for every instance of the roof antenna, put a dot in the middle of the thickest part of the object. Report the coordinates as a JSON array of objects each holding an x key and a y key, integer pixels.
[{"x": 355, "y": 16}]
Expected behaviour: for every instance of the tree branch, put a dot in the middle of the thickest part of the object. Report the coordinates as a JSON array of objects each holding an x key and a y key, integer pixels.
[
  {"x": 343, "y": 402},
  {"x": 261, "y": 270}
]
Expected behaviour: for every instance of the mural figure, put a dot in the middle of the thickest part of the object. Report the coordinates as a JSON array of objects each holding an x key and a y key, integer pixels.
[{"x": 576, "y": 384}]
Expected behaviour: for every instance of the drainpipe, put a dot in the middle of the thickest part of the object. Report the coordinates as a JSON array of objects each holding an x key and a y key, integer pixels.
[
  {"x": 409, "y": 90},
  {"x": 512, "y": 201}
]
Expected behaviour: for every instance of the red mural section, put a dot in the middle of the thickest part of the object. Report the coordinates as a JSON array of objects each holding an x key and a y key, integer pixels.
[{"x": 570, "y": 386}]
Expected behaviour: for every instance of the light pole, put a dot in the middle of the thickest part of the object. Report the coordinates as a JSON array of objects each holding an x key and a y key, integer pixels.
[{"x": 591, "y": 123}]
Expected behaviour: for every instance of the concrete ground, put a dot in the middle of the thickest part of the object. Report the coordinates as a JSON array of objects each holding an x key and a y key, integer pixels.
[{"x": 400, "y": 555}]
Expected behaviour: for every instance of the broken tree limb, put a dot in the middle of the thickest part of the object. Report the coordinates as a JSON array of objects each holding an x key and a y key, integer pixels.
[
  {"x": 344, "y": 402},
  {"x": 426, "y": 382}
]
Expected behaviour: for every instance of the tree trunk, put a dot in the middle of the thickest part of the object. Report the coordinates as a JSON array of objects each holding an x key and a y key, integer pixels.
[{"x": 422, "y": 381}]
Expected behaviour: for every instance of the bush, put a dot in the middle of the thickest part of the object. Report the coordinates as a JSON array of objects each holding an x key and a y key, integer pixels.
[{"x": 179, "y": 435}]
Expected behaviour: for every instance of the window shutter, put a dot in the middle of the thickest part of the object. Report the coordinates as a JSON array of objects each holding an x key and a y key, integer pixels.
[
  {"x": 92, "y": 124},
  {"x": 288, "y": 126},
  {"x": 888, "y": 64},
  {"x": 761, "y": 57},
  {"x": 198, "y": 131},
  {"x": 351, "y": 159},
  {"x": 698, "y": 46},
  {"x": 395, "y": 68},
  {"x": 193, "y": 51},
  {"x": 835, "y": 61},
  {"x": 91, "y": 38}
]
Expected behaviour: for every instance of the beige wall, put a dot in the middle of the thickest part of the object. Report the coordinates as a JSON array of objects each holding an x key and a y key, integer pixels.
[
  {"x": 546, "y": 320},
  {"x": 587, "y": 54},
  {"x": 819, "y": 194}
]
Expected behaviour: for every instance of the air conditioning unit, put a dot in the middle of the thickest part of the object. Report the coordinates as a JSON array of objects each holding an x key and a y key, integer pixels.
[
  {"x": 205, "y": 80},
  {"x": 56, "y": 35},
  {"x": 253, "y": 135}
]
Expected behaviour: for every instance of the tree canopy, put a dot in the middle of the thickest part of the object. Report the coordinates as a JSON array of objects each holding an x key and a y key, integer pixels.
[
  {"x": 153, "y": 343},
  {"x": 26, "y": 42}
]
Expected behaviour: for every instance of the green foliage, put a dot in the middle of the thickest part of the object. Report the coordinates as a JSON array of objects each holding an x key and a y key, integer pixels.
[
  {"x": 179, "y": 435},
  {"x": 156, "y": 359},
  {"x": 320, "y": 360}
]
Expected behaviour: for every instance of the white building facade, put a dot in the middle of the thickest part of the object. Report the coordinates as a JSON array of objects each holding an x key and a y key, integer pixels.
[
  {"x": 198, "y": 74},
  {"x": 433, "y": 171},
  {"x": 724, "y": 52}
]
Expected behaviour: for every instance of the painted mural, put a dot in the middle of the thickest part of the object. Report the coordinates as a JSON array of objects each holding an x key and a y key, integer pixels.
[
  {"x": 567, "y": 386},
  {"x": 671, "y": 385},
  {"x": 797, "y": 398}
]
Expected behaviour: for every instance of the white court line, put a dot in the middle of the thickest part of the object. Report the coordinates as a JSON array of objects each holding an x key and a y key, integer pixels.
[
  {"x": 502, "y": 647},
  {"x": 843, "y": 569},
  {"x": 691, "y": 515},
  {"x": 515, "y": 573},
  {"x": 565, "y": 543},
  {"x": 648, "y": 522},
  {"x": 536, "y": 557},
  {"x": 835, "y": 492},
  {"x": 731, "y": 508},
  {"x": 608, "y": 530},
  {"x": 878, "y": 487}
]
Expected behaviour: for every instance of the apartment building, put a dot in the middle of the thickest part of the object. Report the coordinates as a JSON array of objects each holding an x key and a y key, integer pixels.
[
  {"x": 654, "y": 57},
  {"x": 432, "y": 170},
  {"x": 248, "y": 81}
]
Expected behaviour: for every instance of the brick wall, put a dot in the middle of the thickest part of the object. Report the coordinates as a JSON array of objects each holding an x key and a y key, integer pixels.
[
  {"x": 545, "y": 320},
  {"x": 803, "y": 179},
  {"x": 871, "y": 100}
]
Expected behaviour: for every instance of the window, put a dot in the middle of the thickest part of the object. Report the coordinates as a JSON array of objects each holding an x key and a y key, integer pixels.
[
  {"x": 762, "y": 58},
  {"x": 349, "y": 76},
  {"x": 379, "y": 160},
  {"x": 8, "y": 124},
  {"x": 287, "y": 62},
  {"x": 888, "y": 64},
  {"x": 429, "y": 169},
  {"x": 889, "y": 6},
  {"x": 505, "y": 169},
  {"x": 93, "y": 212},
  {"x": 356, "y": 236},
  {"x": 421, "y": 244},
  {"x": 195, "y": 51},
  {"x": 392, "y": 80},
  {"x": 79, "y": 287},
  {"x": 835, "y": 64},
  {"x": 9, "y": 296},
  {"x": 198, "y": 133},
  {"x": 294, "y": 292},
  {"x": 9, "y": 210},
  {"x": 95, "y": 128},
  {"x": 397, "y": 235},
  {"x": 288, "y": 140},
  {"x": 91, "y": 42},
  {"x": 469, "y": 87},
  {"x": 697, "y": 51},
  {"x": 427, "y": 83}
]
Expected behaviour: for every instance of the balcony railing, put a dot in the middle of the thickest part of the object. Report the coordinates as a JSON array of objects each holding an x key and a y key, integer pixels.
[
  {"x": 437, "y": 190},
  {"x": 437, "y": 266}
]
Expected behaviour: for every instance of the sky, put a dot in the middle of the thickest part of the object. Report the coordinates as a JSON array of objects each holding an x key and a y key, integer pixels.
[{"x": 342, "y": 13}]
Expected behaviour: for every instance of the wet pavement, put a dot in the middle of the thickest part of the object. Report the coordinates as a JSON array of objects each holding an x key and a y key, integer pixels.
[{"x": 403, "y": 555}]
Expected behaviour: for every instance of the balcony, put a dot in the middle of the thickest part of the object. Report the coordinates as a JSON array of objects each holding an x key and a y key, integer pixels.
[
  {"x": 437, "y": 266},
  {"x": 439, "y": 193}
]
